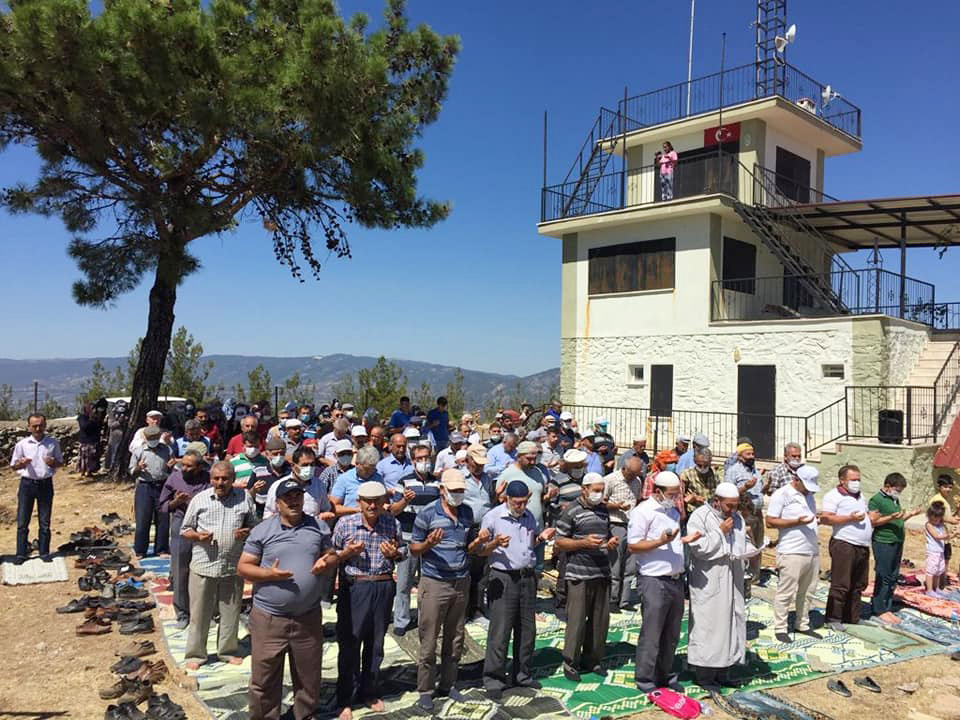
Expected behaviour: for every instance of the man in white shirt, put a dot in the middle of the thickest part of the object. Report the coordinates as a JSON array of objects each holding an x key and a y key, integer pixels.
[
  {"x": 35, "y": 458},
  {"x": 845, "y": 508},
  {"x": 447, "y": 458},
  {"x": 153, "y": 418},
  {"x": 793, "y": 511},
  {"x": 653, "y": 534}
]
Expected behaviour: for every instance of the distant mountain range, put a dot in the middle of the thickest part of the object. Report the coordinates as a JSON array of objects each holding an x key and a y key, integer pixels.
[{"x": 63, "y": 378}]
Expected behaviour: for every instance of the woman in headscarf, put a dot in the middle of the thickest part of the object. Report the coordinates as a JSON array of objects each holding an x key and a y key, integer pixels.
[{"x": 90, "y": 421}]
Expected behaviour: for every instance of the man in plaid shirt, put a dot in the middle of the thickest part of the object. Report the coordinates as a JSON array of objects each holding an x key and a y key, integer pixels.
[
  {"x": 785, "y": 472},
  {"x": 368, "y": 544}
]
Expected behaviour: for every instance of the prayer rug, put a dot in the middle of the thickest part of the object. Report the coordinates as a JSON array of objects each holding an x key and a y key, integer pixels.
[{"x": 35, "y": 571}]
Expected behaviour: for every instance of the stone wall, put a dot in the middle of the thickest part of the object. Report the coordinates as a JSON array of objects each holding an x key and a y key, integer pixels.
[{"x": 904, "y": 345}]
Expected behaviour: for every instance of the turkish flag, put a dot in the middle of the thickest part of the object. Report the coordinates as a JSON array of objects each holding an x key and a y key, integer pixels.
[{"x": 722, "y": 134}]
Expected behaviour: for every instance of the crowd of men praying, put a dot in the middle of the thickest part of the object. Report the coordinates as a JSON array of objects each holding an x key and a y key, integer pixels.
[{"x": 325, "y": 505}]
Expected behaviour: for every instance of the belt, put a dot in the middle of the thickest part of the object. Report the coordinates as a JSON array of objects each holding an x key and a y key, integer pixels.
[
  {"x": 36, "y": 480},
  {"x": 521, "y": 573},
  {"x": 370, "y": 578},
  {"x": 675, "y": 576}
]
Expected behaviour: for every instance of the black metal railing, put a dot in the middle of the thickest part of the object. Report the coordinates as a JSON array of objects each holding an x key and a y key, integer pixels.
[
  {"x": 897, "y": 414},
  {"x": 945, "y": 316},
  {"x": 825, "y": 426},
  {"x": 861, "y": 292},
  {"x": 733, "y": 87},
  {"x": 775, "y": 190}
]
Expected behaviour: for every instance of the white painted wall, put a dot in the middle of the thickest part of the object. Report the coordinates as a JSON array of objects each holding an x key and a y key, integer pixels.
[{"x": 905, "y": 342}]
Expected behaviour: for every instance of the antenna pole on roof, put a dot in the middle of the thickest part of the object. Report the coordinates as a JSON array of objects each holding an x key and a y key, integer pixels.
[
  {"x": 693, "y": 4},
  {"x": 723, "y": 56}
]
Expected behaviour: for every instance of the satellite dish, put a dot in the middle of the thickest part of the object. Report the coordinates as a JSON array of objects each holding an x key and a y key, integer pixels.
[
  {"x": 781, "y": 42},
  {"x": 828, "y": 94}
]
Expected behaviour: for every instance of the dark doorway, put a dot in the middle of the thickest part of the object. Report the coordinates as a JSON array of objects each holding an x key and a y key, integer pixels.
[
  {"x": 793, "y": 175},
  {"x": 661, "y": 390},
  {"x": 757, "y": 407}
]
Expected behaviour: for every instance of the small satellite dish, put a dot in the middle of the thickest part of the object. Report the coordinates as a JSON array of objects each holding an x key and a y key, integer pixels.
[
  {"x": 781, "y": 42},
  {"x": 828, "y": 94}
]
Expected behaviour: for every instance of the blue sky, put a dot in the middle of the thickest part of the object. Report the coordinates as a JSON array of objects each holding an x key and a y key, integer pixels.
[{"x": 482, "y": 290}]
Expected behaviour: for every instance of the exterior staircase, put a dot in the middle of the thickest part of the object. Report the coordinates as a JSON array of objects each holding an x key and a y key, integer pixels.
[{"x": 588, "y": 167}]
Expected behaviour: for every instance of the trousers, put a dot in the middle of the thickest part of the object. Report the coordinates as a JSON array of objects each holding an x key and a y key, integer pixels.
[
  {"x": 886, "y": 567},
  {"x": 206, "y": 593},
  {"x": 443, "y": 605},
  {"x": 479, "y": 577},
  {"x": 363, "y": 613},
  {"x": 797, "y": 582},
  {"x": 560, "y": 562},
  {"x": 146, "y": 511},
  {"x": 180, "y": 552},
  {"x": 407, "y": 571},
  {"x": 849, "y": 571},
  {"x": 512, "y": 599},
  {"x": 661, "y": 607},
  {"x": 588, "y": 619},
  {"x": 623, "y": 568},
  {"x": 39, "y": 492},
  {"x": 273, "y": 637}
]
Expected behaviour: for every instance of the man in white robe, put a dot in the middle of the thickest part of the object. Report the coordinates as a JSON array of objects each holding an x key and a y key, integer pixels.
[{"x": 718, "y": 620}]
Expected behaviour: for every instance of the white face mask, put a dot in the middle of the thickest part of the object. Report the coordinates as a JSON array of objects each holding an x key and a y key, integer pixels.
[
  {"x": 277, "y": 461},
  {"x": 423, "y": 467},
  {"x": 595, "y": 498},
  {"x": 703, "y": 470},
  {"x": 152, "y": 443},
  {"x": 305, "y": 473},
  {"x": 794, "y": 464},
  {"x": 895, "y": 494},
  {"x": 853, "y": 486},
  {"x": 251, "y": 452},
  {"x": 577, "y": 472},
  {"x": 454, "y": 499},
  {"x": 344, "y": 460}
]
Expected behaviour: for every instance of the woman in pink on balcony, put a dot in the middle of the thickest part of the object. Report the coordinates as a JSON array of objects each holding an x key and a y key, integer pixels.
[{"x": 667, "y": 160}]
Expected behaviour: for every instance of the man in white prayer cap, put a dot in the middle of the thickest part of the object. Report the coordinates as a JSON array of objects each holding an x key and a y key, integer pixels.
[{"x": 718, "y": 619}]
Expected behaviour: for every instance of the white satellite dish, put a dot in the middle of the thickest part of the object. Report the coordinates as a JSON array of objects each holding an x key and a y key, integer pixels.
[
  {"x": 780, "y": 43},
  {"x": 828, "y": 94}
]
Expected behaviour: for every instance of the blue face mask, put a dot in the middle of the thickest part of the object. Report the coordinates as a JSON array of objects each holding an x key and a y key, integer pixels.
[
  {"x": 671, "y": 467},
  {"x": 304, "y": 419}
]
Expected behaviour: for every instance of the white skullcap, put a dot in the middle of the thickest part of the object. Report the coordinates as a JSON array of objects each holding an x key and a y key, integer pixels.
[
  {"x": 666, "y": 479},
  {"x": 727, "y": 490},
  {"x": 574, "y": 456},
  {"x": 411, "y": 433},
  {"x": 359, "y": 431},
  {"x": 591, "y": 478}
]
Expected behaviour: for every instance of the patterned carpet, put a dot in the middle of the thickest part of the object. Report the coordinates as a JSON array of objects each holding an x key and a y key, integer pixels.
[{"x": 223, "y": 687}]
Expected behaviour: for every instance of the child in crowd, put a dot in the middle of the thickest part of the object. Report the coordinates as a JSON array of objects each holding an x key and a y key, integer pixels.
[
  {"x": 945, "y": 495},
  {"x": 936, "y": 535}
]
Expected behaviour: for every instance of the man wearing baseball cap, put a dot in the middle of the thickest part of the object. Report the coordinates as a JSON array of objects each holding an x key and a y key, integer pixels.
[
  {"x": 442, "y": 538},
  {"x": 700, "y": 442},
  {"x": 513, "y": 590},
  {"x": 793, "y": 511},
  {"x": 366, "y": 595},
  {"x": 478, "y": 496},
  {"x": 287, "y": 557}
]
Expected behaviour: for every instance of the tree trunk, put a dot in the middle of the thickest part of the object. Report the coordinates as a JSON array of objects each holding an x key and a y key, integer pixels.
[{"x": 153, "y": 355}]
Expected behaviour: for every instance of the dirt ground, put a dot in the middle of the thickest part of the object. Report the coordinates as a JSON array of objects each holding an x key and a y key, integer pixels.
[{"x": 47, "y": 671}]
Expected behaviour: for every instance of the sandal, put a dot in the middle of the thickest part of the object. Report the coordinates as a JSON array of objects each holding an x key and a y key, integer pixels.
[
  {"x": 839, "y": 688},
  {"x": 867, "y": 683}
]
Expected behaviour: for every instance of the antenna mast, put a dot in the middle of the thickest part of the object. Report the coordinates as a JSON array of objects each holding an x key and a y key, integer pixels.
[{"x": 771, "y": 22}]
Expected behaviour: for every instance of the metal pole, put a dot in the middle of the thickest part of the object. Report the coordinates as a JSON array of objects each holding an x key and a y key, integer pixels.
[
  {"x": 903, "y": 264},
  {"x": 543, "y": 188},
  {"x": 693, "y": 4},
  {"x": 36, "y": 395},
  {"x": 276, "y": 400},
  {"x": 623, "y": 165}
]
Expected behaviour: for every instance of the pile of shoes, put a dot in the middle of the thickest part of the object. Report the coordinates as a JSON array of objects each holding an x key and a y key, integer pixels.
[
  {"x": 117, "y": 526},
  {"x": 136, "y": 680},
  {"x": 122, "y": 606}
]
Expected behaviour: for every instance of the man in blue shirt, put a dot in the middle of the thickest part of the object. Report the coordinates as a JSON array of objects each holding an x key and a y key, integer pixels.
[
  {"x": 401, "y": 416},
  {"x": 344, "y": 492},
  {"x": 438, "y": 423},
  {"x": 500, "y": 457},
  {"x": 700, "y": 442},
  {"x": 395, "y": 466},
  {"x": 441, "y": 538},
  {"x": 594, "y": 461}
]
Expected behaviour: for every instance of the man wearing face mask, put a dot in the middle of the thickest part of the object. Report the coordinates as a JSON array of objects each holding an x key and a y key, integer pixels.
[
  {"x": 192, "y": 432},
  {"x": 250, "y": 464},
  {"x": 793, "y": 511},
  {"x": 573, "y": 466},
  {"x": 513, "y": 590},
  {"x": 604, "y": 444},
  {"x": 785, "y": 472},
  {"x": 639, "y": 448},
  {"x": 845, "y": 509},
  {"x": 306, "y": 471},
  {"x": 527, "y": 470},
  {"x": 654, "y": 535},
  {"x": 622, "y": 493},
  {"x": 341, "y": 431},
  {"x": 446, "y": 457},
  {"x": 887, "y": 518},
  {"x": 344, "y": 453},
  {"x": 494, "y": 437},
  {"x": 746, "y": 477},
  {"x": 442, "y": 540},
  {"x": 685, "y": 461},
  {"x": 583, "y": 533},
  {"x": 500, "y": 457},
  {"x": 150, "y": 466},
  {"x": 184, "y": 482},
  {"x": 277, "y": 468},
  {"x": 594, "y": 462},
  {"x": 718, "y": 617},
  {"x": 248, "y": 423},
  {"x": 293, "y": 436},
  {"x": 699, "y": 481},
  {"x": 568, "y": 430}
]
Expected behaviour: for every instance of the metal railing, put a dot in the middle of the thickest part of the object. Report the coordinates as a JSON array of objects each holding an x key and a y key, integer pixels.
[
  {"x": 899, "y": 414},
  {"x": 862, "y": 292},
  {"x": 733, "y": 87},
  {"x": 773, "y": 189}
]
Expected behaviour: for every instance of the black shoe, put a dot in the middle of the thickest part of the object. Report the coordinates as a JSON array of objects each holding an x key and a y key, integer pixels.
[
  {"x": 454, "y": 695},
  {"x": 48, "y": 558},
  {"x": 839, "y": 688},
  {"x": 614, "y": 608},
  {"x": 867, "y": 683},
  {"x": 570, "y": 674},
  {"x": 494, "y": 694},
  {"x": 596, "y": 670},
  {"x": 532, "y": 684},
  {"x": 676, "y": 687},
  {"x": 425, "y": 702},
  {"x": 644, "y": 687},
  {"x": 74, "y": 606},
  {"x": 400, "y": 632},
  {"x": 126, "y": 664},
  {"x": 782, "y": 637},
  {"x": 161, "y": 707},
  {"x": 141, "y": 625},
  {"x": 129, "y": 592}
]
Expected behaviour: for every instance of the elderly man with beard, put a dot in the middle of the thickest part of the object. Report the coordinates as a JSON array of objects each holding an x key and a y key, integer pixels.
[
  {"x": 718, "y": 618},
  {"x": 744, "y": 474},
  {"x": 623, "y": 491},
  {"x": 583, "y": 532},
  {"x": 285, "y": 558},
  {"x": 527, "y": 470},
  {"x": 366, "y": 595},
  {"x": 573, "y": 466}
]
